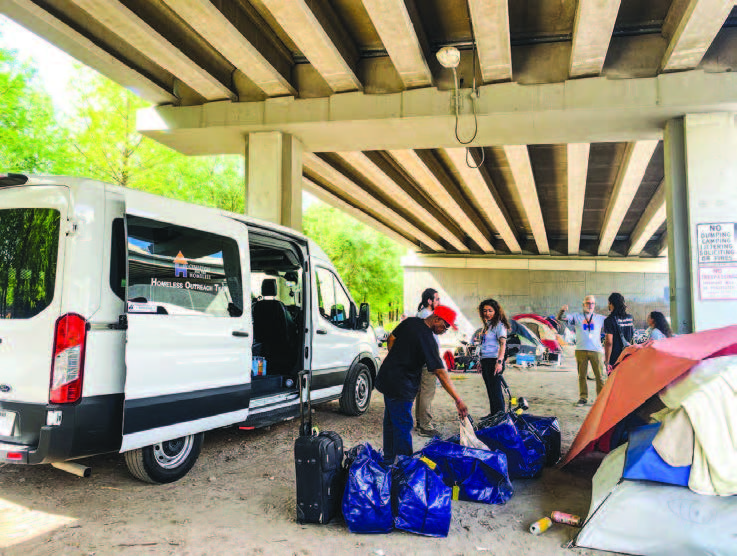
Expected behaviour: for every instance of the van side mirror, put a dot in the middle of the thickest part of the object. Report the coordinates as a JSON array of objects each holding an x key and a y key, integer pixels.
[{"x": 364, "y": 317}]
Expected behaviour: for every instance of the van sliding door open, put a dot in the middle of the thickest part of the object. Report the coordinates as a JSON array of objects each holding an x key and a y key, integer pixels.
[{"x": 188, "y": 351}]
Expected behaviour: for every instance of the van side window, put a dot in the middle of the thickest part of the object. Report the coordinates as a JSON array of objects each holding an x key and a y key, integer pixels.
[
  {"x": 333, "y": 301},
  {"x": 117, "y": 259},
  {"x": 175, "y": 270}
]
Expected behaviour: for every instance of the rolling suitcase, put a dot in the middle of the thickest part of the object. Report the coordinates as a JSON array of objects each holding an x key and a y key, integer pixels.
[{"x": 318, "y": 460}]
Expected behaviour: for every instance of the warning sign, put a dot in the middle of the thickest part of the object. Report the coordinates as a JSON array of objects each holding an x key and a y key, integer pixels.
[
  {"x": 717, "y": 242},
  {"x": 718, "y": 283}
]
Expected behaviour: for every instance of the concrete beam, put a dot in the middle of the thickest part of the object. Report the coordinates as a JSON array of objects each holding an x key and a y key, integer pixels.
[
  {"x": 42, "y": 23},
  {"x": 396, "y": 31},
  {"x": 592, "y": 32},
  {"x": 318, "y": 41},
  {"x": 577, "y": 111},
  {"x": 424, "y": 178},
  {"x": 519, "y": 163},
  {"x": 690, "y": 28},
  {"x": 578, "y": 165},
  {"x": 652, "y": 218},
  {"x": 654, "y": 266},
  {"x": 333, "y": 200},
  {"x": 366, "y": 167},
  {"x": 490, "y": 19},
  {"x": 636, "y": 158},
  {"x": 485, "y": 197},
  {"x": 361, "y": 197},
  {"x": 209, "y": 22},
  {"x": 124, "y": 23}
]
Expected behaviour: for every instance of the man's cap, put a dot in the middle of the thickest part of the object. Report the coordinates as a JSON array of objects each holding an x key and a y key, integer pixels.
[{"x": 447, "y": 314}]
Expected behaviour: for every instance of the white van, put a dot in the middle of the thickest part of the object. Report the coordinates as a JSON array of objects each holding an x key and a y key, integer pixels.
[{"x": 134, "y": 323}]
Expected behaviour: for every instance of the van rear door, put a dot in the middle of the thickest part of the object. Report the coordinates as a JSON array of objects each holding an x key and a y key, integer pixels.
[
  {"x": 188, "y": 352},
  {"x": 33, "y": 222}
]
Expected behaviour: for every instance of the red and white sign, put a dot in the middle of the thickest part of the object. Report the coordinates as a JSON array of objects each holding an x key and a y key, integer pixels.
[{"x": 717, "y": 283}]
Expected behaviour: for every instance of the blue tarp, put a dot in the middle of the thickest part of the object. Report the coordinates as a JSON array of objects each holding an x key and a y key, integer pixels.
[
  {"x": 480, "y": 475},
  {"x": 367, "y": 497},
  {"x": 547, "y": 429},
  {"x": 643, "y": 462},
  {"x": 525, "y": 452},
  {"x": 420, "y": 499}
]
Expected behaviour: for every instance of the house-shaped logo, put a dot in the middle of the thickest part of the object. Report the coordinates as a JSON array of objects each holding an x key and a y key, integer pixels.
[{"x": 180, "y": 266}]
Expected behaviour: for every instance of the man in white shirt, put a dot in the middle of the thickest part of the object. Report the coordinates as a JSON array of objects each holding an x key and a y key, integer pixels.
[
  {"x": 588, "y": 327},
  {"x": 423, "y": 407}
]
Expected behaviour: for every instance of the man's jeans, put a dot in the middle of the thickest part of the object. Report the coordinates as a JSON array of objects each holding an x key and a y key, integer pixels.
[{"x": 397, "y": 428}]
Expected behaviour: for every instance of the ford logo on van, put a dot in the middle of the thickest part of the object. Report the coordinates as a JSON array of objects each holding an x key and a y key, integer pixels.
[{"x": 4, "y": 388}]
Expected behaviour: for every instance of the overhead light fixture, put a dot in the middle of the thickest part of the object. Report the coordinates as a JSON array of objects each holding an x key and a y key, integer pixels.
[{"x": 449, "y": 57}]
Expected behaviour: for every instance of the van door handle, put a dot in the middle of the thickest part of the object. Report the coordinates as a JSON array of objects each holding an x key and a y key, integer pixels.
[
  {"x": 321, "y": 331},
  {"x": 240, "y": 333}
]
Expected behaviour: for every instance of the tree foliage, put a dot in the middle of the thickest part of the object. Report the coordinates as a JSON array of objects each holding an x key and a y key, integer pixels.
[
  {"x": 31, "y": 138},
  {"x": 367, "y": 261}
]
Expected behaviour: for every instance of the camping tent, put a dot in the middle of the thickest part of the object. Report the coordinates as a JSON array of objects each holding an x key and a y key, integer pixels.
[
  {"x": 672, "y": 488},
  {"x": 542, "y": 328}
]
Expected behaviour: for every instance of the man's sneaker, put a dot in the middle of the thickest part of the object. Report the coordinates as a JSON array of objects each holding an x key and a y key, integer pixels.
[
  {"x": 429, "y": 432},
  {"x": 582, "y": 401}
]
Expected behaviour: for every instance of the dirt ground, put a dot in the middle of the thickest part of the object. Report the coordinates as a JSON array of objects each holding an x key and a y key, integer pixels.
[{"x": 240, "y": 496}]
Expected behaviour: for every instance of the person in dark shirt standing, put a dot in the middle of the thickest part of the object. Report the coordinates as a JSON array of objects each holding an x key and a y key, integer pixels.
[
  {"x": 618, "y": 329},
  {"x": 411, "y": 346}
]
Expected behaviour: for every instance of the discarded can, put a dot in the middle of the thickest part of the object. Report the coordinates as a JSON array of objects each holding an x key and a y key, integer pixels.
[
  {"x": 540, "y": 526},
  {"x": 566, "y": 519}
]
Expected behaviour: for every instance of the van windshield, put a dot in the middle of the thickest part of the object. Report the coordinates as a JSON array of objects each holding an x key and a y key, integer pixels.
[{"x": 29, "y": 243}]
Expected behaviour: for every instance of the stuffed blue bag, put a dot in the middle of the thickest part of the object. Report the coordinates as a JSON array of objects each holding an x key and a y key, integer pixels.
[
  {"x": 420, "y": 499},
  {"x": 367, "y": 498}
]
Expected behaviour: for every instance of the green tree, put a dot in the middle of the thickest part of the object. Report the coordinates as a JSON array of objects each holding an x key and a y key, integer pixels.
[
  {"x": 367, "y": 261},
  {"x": 31, "y": 138},
  {"x": 109, "y": 148}
]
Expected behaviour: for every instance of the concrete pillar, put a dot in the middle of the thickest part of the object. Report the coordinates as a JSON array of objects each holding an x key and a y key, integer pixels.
[
  {"x": 701, "y": 200},
  {"x": 274, "y": 178}
]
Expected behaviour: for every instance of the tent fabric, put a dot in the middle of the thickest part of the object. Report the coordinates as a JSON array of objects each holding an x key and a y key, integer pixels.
[
  {"x": 647, "y": 519},
  {"x": 642, "y": 371},
  {"x": 644, "y": 463},
  {"x": 548, "y": 334},
  {"x": 713, "y": 414}
]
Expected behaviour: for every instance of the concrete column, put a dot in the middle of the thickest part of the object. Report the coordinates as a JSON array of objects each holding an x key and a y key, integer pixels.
[
  {"x": 274, "y": 178},
  {"x": 701, "y": 192},
  {"x": 676, "y": 204}
]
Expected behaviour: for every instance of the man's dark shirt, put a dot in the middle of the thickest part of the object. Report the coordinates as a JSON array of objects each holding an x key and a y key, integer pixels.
[
  {"x": 414, "y": 346},
  {"x": 628, "y": 331}
]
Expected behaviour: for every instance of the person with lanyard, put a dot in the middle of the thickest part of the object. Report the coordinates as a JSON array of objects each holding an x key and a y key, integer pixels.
[
  {"x": 423, "y": 403},
  {"x": 588, "y": 327},
  {"x": 493, "y": 351},
  {"x": 412, "y": 346},
  {"x": 619, "y": 330}
]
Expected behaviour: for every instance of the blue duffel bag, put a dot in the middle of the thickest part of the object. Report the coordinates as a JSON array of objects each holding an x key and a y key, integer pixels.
[
  {"x": 420, "y": 499},
  {"x": 367, "y": 497},
  {"x": 475, "y": 475},
  {"x": 524, "y": 450}
]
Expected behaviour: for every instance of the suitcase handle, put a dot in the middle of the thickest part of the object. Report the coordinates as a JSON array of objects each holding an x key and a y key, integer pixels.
[{"x": 305, "y": 428}]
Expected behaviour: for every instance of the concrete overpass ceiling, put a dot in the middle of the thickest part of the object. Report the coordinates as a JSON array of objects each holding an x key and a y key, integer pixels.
[{"x": 558, "y": 172}]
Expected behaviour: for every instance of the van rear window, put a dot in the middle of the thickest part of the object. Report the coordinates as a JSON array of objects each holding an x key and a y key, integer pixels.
[{"x": 29, "y": 244}]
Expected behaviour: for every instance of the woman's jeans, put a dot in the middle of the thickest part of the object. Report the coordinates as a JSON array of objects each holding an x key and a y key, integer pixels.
[
  {"x": 493, "y": 385},
  {"x": 398, "y": 425}
]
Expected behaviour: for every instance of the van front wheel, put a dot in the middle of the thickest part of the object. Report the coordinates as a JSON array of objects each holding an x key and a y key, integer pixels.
[
  {"x": 357, "y": 391},
  {"x": 165, "y": 462}
]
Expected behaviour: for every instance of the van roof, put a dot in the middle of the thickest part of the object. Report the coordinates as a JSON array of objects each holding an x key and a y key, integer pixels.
[{"x": 18, "y": 180}]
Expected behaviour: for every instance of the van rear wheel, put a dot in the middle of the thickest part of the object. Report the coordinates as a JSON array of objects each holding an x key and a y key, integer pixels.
[
  {"x": 356, "y": 396},
  {"x": 165, "y": 462}
]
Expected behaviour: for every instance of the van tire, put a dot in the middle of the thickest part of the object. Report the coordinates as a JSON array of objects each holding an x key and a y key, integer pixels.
[
  {"x": 356, "y": 396},
  {"x": 165, "y": 462}
]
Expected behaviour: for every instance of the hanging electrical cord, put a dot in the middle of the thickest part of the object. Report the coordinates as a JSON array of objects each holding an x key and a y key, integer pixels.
[{"x": 474, "y": 97}]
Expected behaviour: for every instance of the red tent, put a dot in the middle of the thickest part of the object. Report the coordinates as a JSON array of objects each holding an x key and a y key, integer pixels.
[{"x": 643, "y": 371}]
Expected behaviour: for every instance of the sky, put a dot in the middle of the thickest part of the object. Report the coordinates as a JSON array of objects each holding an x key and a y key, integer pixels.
[{"x": 55, "y": 68}]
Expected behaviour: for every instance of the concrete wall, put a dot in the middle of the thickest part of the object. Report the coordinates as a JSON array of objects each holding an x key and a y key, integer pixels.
[{"x": 535, "y": 291}]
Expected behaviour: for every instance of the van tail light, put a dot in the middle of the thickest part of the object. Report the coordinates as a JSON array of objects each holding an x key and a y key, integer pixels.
[{"x": 67, "y": 367}]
